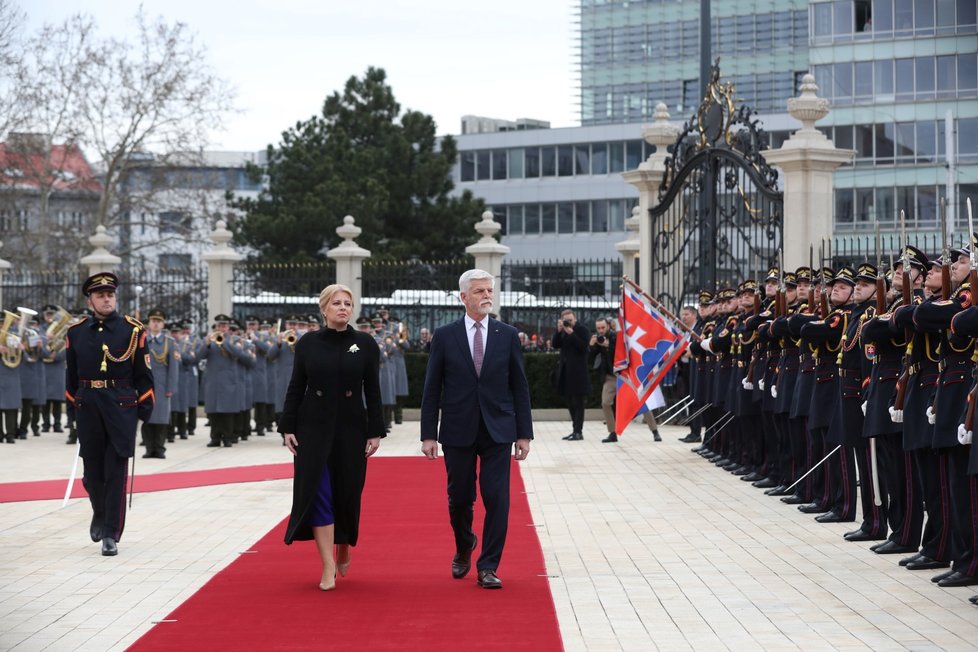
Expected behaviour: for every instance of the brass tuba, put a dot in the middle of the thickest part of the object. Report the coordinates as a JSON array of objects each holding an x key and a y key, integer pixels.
[
  {"x": 57, "y": 330},
  {"x": 13, "y": 354}
]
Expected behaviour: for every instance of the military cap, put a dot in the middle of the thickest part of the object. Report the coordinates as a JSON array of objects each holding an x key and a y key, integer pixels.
[
  {"x": 49, "y": 308},
  {"x": 382, "y": 309},
  {"x": 101, "y": 281},
  {"x": 790, "y": 279},
  {"x": 803, "y": 274},
  {"x": 235, "y": 325},
  {"x": 187, "y": 324},
  {"x": 773, "y": 274},
  {"x": 845, "y": 275},
  {"x": 827, "y": 275},
  {"x": 265, "y": 323},
  {"x": 312, "y": 319},
  {"x": 867, "y": 272},
  {"x": 174, "y": 326},
  {"x": 706, "y": 297},
  {"x": 966, "y": 250},
  {"x": 936, "y": 261},
  {"x": 292, "y": 317},
  {"x": 376, "y": 318},
  {"x": 750, "y": 285},
  {"x": 726, "y": 294},
  {"x": 917, "y": 258},
  {"x": 251, "y": 318},
  {"x": 222, "y": 319},
  {"x": 156, "y": 313},
  {"x": 363, "y": 321}
]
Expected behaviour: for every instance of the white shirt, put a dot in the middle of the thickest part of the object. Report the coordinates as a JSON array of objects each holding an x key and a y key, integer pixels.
[{"x": 470, "y": 333}]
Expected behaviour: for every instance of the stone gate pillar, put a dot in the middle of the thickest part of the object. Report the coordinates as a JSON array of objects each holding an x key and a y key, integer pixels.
[
  {"x": 349, "y": 257},
  {"x": 101, "y": 259},
  {"x": 489, "y": 253},
  {"x": 220, "y": 272},
  {"x": 808, "y": 160}
]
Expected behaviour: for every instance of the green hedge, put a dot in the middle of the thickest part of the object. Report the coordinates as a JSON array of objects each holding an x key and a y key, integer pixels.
[{"x": 538, "y": 367}]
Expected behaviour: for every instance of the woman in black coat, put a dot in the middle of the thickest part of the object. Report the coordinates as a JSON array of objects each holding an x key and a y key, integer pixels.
[{"x": 332, "y": 422}]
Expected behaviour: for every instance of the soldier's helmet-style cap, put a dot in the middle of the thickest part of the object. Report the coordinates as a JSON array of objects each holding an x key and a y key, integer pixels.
[
  {"x": 706, "y": 297},
  {"x": 827, "y": 275},
  {"x": 803, "y": 274},
  {"x": 965, "y": 251},
  {"x": 790, "y": 279},
  {"x": 156, "y": 313},
  {"x": 773, "y": 274},
  {"x": 726, "y": 294},
  {"x": 750, "y": 285},
  {"x": 102, "y": 281},
  {"x": 846, "y": 275},
  {"x": 917, "y": 258},
  {"x": 222, "y": 319},
  {"x": 312, "y": 318},
  {"x": 867, "y": 272}
]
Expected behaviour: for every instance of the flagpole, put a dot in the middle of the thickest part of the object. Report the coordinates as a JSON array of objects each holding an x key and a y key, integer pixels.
[{"x": 676, "y": 321}]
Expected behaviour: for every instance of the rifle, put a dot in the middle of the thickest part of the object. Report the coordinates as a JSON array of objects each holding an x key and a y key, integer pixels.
[
  {"x": 880, "y": 278},
  {"x": 945, "y": 256},
  {"x": 907, "y": 292},
  {"x": 811, "y": 285},
  {"x": 969, "y": 415},
  {"x": 823, "y": 300},
  {"x": 781, "y": 298}
]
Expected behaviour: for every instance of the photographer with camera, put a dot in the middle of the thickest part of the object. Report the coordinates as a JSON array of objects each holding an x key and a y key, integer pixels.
[
  {"x": 572, "y": 378},
  {"x": 602, "y": 347}
]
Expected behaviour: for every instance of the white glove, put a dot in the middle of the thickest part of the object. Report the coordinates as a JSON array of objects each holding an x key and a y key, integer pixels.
[
  {"x": 863, "y": 406},
  {"x": 746, "y": 384},
  {"x": 964, "y": 436},
  {"x": 706, "y": 346},
  {"x": 760, "y": 383},
  {"x": 931, "y": 417},
  {"x": 896, "y": 416},
  {"x": 774, "y": 391}
]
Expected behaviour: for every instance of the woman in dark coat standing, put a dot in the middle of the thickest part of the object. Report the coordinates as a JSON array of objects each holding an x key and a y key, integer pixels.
[{"x": 332, "y": 422}]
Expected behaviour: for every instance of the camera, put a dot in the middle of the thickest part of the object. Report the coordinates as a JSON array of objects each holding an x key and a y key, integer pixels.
[
  {"x": 600, "y": 339},
  {"x": 567, "y": 323}
]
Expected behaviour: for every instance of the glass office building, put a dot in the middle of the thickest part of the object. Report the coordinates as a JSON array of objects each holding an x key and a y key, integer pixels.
[{"x": 892, "y": 70}]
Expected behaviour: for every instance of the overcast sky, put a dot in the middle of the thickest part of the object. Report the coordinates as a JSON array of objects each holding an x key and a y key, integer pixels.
[{"x": 500, "y": 58}]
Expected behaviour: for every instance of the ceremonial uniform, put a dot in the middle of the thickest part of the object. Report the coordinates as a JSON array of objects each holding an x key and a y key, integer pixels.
[
  {"x": 31, "y": 383},
  {"x": 223, "y": 394},
  {"x": 164, "y": 363},
  {"x": 10, "y": 399},
  {"x": 108, "y": 386}
]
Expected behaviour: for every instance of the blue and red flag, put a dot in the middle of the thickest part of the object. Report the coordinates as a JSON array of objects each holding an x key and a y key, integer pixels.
[{"x": 648, "y": 345}]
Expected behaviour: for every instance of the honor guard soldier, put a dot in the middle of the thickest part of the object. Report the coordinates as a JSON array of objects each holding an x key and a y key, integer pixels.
[
  {"x": 223, "y": 391},
  {"x": 31, "y": 380},
  {"x": 12, "y": 354},
  {"x": 179, "y": 402},
  {"x": 164, "y": 362},
  {"x": 108, "y": 387},
  {"x": 53, "y": 359},
  {"x": 697, "y": 372}
]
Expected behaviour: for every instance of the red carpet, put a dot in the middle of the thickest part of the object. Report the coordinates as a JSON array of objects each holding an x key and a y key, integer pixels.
[
  {"x": 398, "y": 594},
  {"x": 55, "y": 489}
]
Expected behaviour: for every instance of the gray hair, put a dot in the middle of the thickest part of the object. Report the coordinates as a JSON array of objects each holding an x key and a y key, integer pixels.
[{"x": 470, "y": 275}]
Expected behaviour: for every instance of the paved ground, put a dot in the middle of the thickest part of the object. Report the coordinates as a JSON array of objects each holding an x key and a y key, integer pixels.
[{"x": 649, "y": 547}]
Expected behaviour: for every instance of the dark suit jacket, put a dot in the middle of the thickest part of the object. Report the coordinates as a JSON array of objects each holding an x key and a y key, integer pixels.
[{"x": 500, "y": 394}]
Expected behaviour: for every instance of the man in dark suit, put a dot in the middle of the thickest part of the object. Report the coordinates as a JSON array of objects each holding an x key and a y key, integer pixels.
[
  {"x": 475, "y": 378},
  {"x": 573, "y": 376}
]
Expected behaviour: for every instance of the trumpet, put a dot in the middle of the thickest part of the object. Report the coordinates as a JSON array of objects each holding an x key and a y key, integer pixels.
[
  {"x": 289, "y": 337},
  {"x": 219, "y": 338}
]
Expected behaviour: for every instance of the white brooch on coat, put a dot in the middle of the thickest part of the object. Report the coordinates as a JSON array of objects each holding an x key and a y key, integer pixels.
[{"x": 353, "y": 348}]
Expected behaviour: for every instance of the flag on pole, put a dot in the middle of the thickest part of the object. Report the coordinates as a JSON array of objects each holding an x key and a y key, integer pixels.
[{"x": 648, "y": 345}]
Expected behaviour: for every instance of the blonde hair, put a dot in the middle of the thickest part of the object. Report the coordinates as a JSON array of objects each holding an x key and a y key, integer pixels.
[{"x": 327, "y": 295}]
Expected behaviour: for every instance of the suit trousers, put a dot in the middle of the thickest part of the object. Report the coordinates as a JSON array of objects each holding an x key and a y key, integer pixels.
[
  {"x": 608, "y": 390},
  {"x": 933, "y": 483},
  {"x": 104, "y": 478},
  {"x": 963, "y": 554},
  {"x": 493, "y": 478},
  {"x": 905, "y": 512},
  {"x": 842, "y": 482},
  {"x": 575, "y": 405},
  {"x": 154, "y": 437},
  {"x": 874, "y": 517}
]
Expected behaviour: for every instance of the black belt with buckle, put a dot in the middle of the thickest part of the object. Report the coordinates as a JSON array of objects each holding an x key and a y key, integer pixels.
[{"x": 102, "y": 384}]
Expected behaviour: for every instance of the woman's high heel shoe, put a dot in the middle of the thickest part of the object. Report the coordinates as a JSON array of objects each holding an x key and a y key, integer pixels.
[{"x": 342, "y": 568}]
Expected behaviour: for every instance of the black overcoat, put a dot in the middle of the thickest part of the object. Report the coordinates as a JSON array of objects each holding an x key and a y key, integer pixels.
[
  {"x": 573, "y": 375},
  {"x": 332, "y": 406}
]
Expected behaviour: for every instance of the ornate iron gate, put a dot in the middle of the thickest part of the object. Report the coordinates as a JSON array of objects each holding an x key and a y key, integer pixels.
[{"x": 720, "y": 214}]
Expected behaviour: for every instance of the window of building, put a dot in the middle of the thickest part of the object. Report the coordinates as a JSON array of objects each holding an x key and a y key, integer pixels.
[
  {"x": 633, "y": 154},
  {"x": 482, "y": 165},
  {"x": 946, "y": 75},
  {"x": 863, "y": 89},
  {"x": 967, "y": 10},
  {"x": 514, "y": 218},
  {"x": 843, "y": 137},
  {"x": 548, "y": 218},
  {"x": 616, "y": 160},
  {"x": 883, "y": 79},
  {"x": 174, "y": 222},
  {"x": 906, "y": 202},
  {"x": 923, "y": 17},
  {"x": 865, "y": 207},
  {"x": 499, "y": 164},
  {"x": 531, "y": 218},
  {"x": 924, "y": 77},
  {"x": 467, "y": 166},
  {"x": 582, "y": 159},
  {"x": 882, "y": 16},
  {"x": 599, "y": 158},
  {"x": 565, "y": 217},
  {"x": 967, "y": 73},
  {"x": 864, "y": 141},
  {"x": 532, "y": 161},
  {"x": 927, "y": 205},
  {"x": 843, "y": 205},
  {"x": 903, "y": 73},
  {"x": 582, "y": 217},
  {"x": 884, "y": 205},
  {"x": 904, "y": 146},
  {"x": 500, "y": 216},
  {"x": 843, "y": 80},
  {"x": 902, "y": 17},
  {"x": 945, "y": 16},
  {"x": 565, "y": 160},
  {"x": 548, "y": 164},
  {"x": 516, "y": 163},
  {"x": 863, "y": 15},
  {"x": 884, "y": 142},
  {"x": 174, "y": 261},
  {"x": 4, "y": 221},
  {"x": 599, "y": 216},
  {"x": 926, "y": 147},
  {"x": 968, "y": 140},
  {"x": 842, "y": 21}
]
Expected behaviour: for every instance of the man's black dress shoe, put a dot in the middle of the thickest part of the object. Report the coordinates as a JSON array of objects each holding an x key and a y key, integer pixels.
[
  {"x": 923, "y": 562},
  {"x": 699, "y": 450},
  {"x": 462, "y": 561},
  {"x": 720, "y": 461},
  {"x": 691, "y": 439},
  {"x": 830, "y": 517},
  {"x": 942, "y": 576},
  {"x": 610, "y": 439},
  {"x": 217, "y": 444},
  {"x": 958, "y": 579},
  {"x": 780, "y": 490},
  {"x": 893, "y": 548},
  {"x": 148, "y": 455},
  {"x": 765, "y": 483},
  {"x": 911, "y": 559},
  {"x": 228, "y": 444},
  {"x": 730, "y": 466},
  {"x": 160, "y": 456},
  {"x": 973, "y": 599},
  {"x": 95, "y": 530},
  {"x": 793, "y": 499},
  {"x": 656, "y": 436},
  {"x": 109, "y": 549},
  {"x": 811, "y": 508},
  {"x": 568, "y": 437},
  {"x": 574, "y": 436},
  {"x": 753, "y": 476},
  {"x": 488, "y": 580},
  {"x": 863, "y": 535},
  {"x": 740, "y": 470}
]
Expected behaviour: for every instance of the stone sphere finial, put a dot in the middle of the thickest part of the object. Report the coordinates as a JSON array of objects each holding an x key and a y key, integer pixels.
[
  {"x": 348, "y": 231},
  {"x": 221, "y": 236},
  {"x": 808, "y": 108}
]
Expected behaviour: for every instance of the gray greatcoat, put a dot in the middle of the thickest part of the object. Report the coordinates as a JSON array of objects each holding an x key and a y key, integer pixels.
[
  {"x": 10, "y": 387},
  {"x": 188, "y": 377},
  {"x": 166, "y": 374},
  {"x": 283, "y": 373},
  {"x": 223, "y": 382},
  {"x": 259, "y": 375},
  {"x": 54, "y": 375},
  {"x": 400, "y": 368},
  {"x": 32, "y": 377}
]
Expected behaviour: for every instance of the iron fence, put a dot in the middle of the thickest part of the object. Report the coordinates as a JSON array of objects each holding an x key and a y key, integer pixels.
[
  {"x": 181, "y": 292},
  {"x": 32, "y": 289},
  {"x": 852, "y": 250},
  {"x": 272, "y": 290}
]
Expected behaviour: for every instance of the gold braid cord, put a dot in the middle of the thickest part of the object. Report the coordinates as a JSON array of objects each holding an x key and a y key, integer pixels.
[
  {"x": 166, "y": 350},
  {"x": 133, "y": 339}
]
